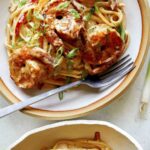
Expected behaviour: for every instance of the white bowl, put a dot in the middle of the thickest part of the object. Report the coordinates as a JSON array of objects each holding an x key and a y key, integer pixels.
[{"x": 48, "y": 135}]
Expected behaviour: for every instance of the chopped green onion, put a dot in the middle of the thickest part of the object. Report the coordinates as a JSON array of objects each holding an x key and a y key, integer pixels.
[
  {"x": 22, "y": 3},
  {"x": 38, "y": 16},
  {"x": 58, "y": 61},
  {"x": 59, "y": 58},
  {"x": 90, "y": 13},
  {"x": 75, "y": 13},
  {"x": 72, "y": 53},
  {"x": 63, "y": 5},
  {"x": 61, "y": 96},
  {"x": 146, "y": 94},
  {"x": 13, "y": 45},
  {"x": 96, "y": 8},
  {"x": 122, "y": 32},
  {"x": 60, "y": 52}
]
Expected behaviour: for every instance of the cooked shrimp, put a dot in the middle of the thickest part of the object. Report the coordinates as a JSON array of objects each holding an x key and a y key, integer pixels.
[
  {"x": 97, "y": 34},
  {"x": 89, "y": 3},
  {"x": 29, "y": 67},
  {"x": 67, "y": 22},
  {"x": 53, "y": 38},
  {"x": 104, "y": 46},
  {"x": 80, "y": 7},
  {"x": 68, "y": 27}
]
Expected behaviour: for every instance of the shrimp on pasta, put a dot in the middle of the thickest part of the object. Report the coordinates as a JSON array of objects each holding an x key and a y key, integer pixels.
[
  {"x": 29, "y": 67},
  {"x": 59, "y": 41}
]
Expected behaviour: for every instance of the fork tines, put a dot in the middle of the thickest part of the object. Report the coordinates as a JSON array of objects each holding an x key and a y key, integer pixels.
[{"x": 120, "y": 69}]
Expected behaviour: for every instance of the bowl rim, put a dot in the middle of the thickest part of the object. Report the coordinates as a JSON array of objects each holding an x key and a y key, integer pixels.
[
  {"x": 77, "y": 122},
  {"x": 117, "y": 92}
]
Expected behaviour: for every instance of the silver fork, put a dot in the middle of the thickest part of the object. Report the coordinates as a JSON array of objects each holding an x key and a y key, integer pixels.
[{"x": 114, "y": 74}]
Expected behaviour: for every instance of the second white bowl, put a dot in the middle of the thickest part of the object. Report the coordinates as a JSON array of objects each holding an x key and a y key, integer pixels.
[{"x": 48, "y": 135}]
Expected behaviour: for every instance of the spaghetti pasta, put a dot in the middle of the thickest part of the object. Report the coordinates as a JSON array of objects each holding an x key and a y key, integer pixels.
[{"x": 74, "y": 36}]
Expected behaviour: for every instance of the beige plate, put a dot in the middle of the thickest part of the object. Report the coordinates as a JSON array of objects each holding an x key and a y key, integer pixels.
[{"x": 80, "y": 103}]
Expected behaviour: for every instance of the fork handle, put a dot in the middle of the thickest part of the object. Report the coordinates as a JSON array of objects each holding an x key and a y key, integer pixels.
[{"x": 20, "y": 105}]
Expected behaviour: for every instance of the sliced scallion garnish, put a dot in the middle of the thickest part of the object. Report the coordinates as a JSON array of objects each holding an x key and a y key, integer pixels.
[
  {"x": 22, "y": 3},
  {"x": 75, "y": 13},
  {"x": 59, "y": 58},
  {"x": 72, "y": 53},
  {"x": 146, "y": 94},
  {"x": 63, "y": 5},
  {"x": 88, "y": 16},
  {"x": 61, "y": 96},
  {"x": 38, "y": 16},
  {"x": 122, "y": 32}
]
